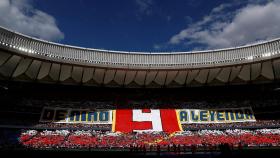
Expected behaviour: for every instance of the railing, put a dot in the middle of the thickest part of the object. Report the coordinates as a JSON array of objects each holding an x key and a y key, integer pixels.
[{"x": 64, "y": 53}]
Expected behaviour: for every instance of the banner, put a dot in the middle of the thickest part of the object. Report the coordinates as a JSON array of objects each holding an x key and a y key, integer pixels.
[
  {"x": 228, "y": 115},
  {"x": 147, "y": 120},
  {"x": 68, "y": 115}
]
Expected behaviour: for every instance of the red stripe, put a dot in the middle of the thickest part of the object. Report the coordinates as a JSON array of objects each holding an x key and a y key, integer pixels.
[
  {"x": 169, "y": 120},
  {"x": 142, "y": 125},
  {"x": 146, "y": 110},
  {"x": 123, "y": 120}
]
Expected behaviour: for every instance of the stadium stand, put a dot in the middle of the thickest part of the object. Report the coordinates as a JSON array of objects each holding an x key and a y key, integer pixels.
[
  {"x": 42, "y": 77},
  {"x": 93, "y": 139}
]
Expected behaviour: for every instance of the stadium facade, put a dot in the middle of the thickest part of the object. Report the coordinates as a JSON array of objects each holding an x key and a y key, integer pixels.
[{"x": 23, "y": 58}]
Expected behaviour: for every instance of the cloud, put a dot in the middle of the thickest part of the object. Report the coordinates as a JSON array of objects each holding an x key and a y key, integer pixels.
[
  {"x": 144, "y": 6},
  {"x": 253, "y": 22},
  {"x": 157, "y": 46},
  {"x": 19, "y": 15},
  {"x": 193, "y": 3}
]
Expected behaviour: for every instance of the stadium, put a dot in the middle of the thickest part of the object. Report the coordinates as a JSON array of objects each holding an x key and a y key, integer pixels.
[{"x": 58, "y": 97}]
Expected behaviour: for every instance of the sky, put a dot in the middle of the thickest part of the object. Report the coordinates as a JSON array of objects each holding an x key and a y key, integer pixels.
[{"x": 145, "y": 25}]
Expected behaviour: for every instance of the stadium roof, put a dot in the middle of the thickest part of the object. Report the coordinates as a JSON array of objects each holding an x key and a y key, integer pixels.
[{"x": 23, "y": 58}]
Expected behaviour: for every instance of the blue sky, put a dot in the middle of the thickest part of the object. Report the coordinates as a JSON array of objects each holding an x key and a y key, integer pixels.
[{"x": 145, "y": 25}]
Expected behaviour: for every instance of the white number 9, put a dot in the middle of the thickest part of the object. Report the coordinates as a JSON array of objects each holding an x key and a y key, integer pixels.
[{"x": 153, "y": 116}]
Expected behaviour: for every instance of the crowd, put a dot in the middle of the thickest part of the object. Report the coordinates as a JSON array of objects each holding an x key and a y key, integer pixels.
[
  {"x": 35, "y": 105},
  {"x": 241, "y": 125},
  {"x": 107, "y": 127},
  {"x": 26, "y": 111},
  {"x": 9, "y": 137},
  {"x": 98, "y": 139},
  {"x": 193, "y": 126}
]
